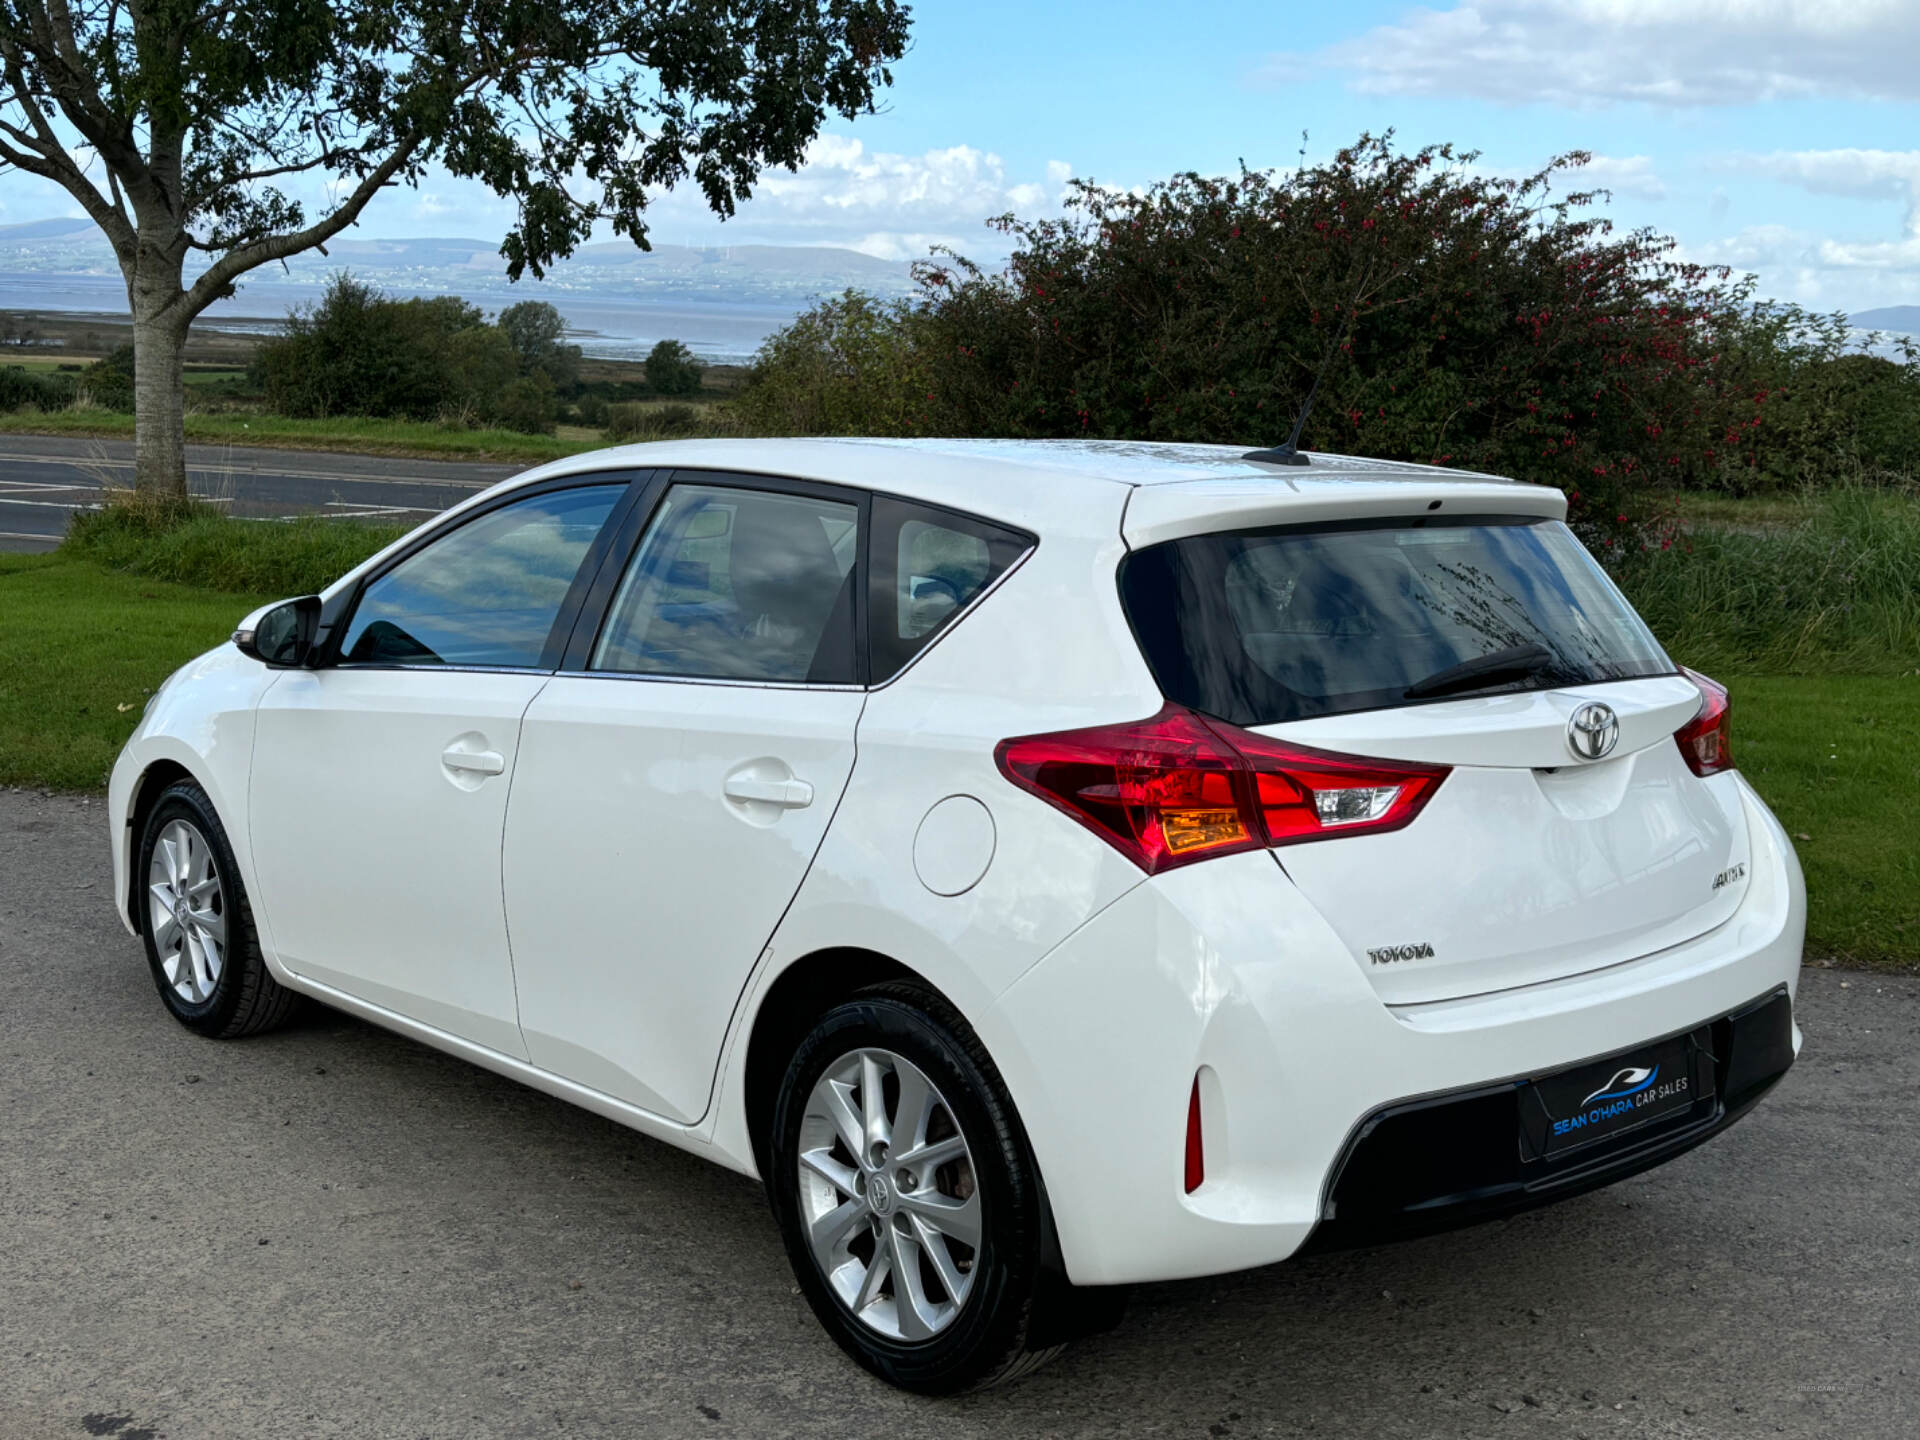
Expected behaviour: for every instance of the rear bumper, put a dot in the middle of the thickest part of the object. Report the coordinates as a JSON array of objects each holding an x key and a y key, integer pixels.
[
  {"x": 1451, "y": 1160},
  {"x": 1223, "y": 971}
]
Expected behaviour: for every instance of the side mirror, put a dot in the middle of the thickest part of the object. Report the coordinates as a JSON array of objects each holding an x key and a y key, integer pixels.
[{"x": 283, "y": 636}]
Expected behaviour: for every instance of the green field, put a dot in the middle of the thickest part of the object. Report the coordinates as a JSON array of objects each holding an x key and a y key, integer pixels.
[
  {"x": 412, "y": 438},
  {"x": 1838, "y": 757}
]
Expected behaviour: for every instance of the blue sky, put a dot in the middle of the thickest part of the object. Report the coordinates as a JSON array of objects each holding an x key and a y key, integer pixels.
[{"x": 1778, "y": 136}]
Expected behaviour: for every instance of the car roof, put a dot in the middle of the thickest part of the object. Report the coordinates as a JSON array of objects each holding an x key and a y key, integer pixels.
[{"x": 1082, "y": 485}]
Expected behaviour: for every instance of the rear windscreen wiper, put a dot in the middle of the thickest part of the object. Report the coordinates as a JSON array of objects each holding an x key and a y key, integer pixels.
[{"x": 1512, "y": 663}]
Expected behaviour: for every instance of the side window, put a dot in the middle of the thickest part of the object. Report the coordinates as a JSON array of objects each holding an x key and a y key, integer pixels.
[
  {"x": 738, "y": 585},
  {"x": 928, "y": 565},
  {"x": 486, "y": 593}
]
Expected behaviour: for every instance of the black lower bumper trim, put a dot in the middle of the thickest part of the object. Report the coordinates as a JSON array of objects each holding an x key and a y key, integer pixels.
[{"x": 1445, "y": 1161}]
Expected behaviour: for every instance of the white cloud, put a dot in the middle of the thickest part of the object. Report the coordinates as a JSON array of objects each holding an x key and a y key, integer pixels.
[
  {"x": 889, "y": 205},
  {"x": 1665, "y": 52},
  {"x": 897, "y": 244},
  {"x": 1623, "y": 174},
  {"x": 1799, "y": 263},
  {"x": 1853, "y": 174}
]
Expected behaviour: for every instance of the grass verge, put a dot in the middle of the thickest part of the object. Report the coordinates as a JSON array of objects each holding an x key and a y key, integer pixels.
[
  {"x": 199, "y": 546},
  {"x": 1835, "y": 756},
  {"x": 1838, "y": 759},
  {"x": 409, "y": 438},
  {"x": 80, "y": 651}
]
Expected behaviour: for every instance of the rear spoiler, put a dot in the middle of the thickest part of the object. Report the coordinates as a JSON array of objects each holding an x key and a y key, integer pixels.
[{"x": 1200, "y": 507}]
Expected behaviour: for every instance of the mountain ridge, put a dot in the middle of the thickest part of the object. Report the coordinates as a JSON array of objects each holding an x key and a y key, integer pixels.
[
  {"x": 453, "y": 262},
  {"x": 1902, "y": 318}
]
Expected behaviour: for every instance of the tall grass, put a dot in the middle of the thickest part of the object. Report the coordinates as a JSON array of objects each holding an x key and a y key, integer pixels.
[
  {"x": 639, "y": 420},
  {"x": 1827, "y": 583},
  {"x": 193, "y": 544}
]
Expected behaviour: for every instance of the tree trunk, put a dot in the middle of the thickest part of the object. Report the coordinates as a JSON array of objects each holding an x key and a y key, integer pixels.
[
  {"x": 159, "y": 354},
  {"x": 159, "y": 404}
]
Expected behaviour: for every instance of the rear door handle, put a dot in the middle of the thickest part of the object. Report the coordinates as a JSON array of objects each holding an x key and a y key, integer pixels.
[
  {"x": 789, "y": 794},
  {"x": 477, "y": 762}
]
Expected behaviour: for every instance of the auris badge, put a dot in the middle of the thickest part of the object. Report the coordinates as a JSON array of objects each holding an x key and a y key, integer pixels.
[{"x": 1593, "y": 731}]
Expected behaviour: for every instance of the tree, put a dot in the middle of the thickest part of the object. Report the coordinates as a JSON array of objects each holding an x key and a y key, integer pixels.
[
  {"x": 672, "y": 370},
  {"x": 203, "y": 115},
  {"x": 536, "y": 332}
]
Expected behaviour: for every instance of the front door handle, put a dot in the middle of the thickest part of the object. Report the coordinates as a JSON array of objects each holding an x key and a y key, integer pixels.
[
  {"x": 788, "y": 794},
  {"x": 476, "y": 762}
]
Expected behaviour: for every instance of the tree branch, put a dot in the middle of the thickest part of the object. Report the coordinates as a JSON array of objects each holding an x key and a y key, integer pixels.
[
  {"x": 218, "y": 278},
  {"x": 64, "y": 76},
  {"x": 44, "y": 156}
]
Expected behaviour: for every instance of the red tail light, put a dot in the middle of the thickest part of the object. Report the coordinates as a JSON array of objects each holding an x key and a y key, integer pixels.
[
  {"x": 1177, "y": 788},
  {"x": 1706, "y": 741}
]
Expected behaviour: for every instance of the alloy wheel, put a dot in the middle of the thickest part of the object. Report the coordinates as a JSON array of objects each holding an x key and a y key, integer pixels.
[
  {"x": 186, "y": 911},
  {"x": 888, "y": 1195}
]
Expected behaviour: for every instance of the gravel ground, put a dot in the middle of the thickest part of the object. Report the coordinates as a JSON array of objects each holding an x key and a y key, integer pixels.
[{"x": 332, "y": 1231}]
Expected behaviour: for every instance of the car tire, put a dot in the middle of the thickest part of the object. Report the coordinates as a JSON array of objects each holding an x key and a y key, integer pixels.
[
  {"x": 197, "y": 925},
  {"x": 1001, "y": 1327}
]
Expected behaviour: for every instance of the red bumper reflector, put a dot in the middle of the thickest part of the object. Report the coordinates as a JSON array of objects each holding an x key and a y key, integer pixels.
[{"x": 1196, "y": 1151}]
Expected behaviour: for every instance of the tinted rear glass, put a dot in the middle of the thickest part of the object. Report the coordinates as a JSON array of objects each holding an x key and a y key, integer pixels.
[{"x": 1275, "y": 625}]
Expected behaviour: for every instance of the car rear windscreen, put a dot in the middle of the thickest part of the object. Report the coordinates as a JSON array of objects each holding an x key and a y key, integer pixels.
[{"x": 1265, "y": 626}]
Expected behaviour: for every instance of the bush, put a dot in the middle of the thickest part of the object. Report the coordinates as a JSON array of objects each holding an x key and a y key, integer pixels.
[
  {"x": 359, "y": 353},
  {"x": 23, "y": 389},
  {"x": 638, "y": 421},
  {"x": 851, "y": 365},
  {"x": 1815, "y": 408},
  {"x": 591, "y": 410},
  {"x": 527, "y": 405},
  {"x": 1445, "y": 315},
  {"x": 479, "y": 364},
  {"x": 672, "y": 369},
  {"x": 109, "y": 380},
  {"x": 191, "y": 543}
]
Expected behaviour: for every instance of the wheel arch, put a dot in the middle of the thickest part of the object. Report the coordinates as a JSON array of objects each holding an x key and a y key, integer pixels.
[
  {"x": 148, "y": 787},
  {"x": 797, "y": 997}
]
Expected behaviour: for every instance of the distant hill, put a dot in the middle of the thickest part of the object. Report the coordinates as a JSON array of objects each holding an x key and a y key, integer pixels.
[
  {"x": 784, "y": 275},
  {"x": 44, "y": 229},
  {"x": 1902, "y": 318}
]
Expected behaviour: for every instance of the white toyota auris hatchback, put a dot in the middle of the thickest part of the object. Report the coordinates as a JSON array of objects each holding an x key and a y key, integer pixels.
[{"x": 1046, "y": 866}]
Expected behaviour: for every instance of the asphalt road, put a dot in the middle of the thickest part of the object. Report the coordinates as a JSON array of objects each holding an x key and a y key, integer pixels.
[
  {"x": 43, "y": 478},
  {"x": 331, "y": 1231}
]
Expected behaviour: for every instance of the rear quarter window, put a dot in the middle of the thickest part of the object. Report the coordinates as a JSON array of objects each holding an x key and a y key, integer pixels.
[{"x": 927, "y": 565}]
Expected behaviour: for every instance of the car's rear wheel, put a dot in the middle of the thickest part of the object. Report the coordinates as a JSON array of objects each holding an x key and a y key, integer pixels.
[
  {"x": 910, "y": 1207},
  {"x": 197, "y": 925}
]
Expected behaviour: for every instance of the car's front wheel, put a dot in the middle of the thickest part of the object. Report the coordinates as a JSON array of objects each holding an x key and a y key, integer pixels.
[
  {"x": 197, "y": 924},
  {"x": 909, "y": 1204}
]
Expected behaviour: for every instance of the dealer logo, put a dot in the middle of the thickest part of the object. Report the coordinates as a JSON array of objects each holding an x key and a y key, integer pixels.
[{"x": 1630, "y": 1081}]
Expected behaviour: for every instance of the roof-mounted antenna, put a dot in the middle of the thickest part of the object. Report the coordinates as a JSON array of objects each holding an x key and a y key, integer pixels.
[{"x": 1288, "y": 453}]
